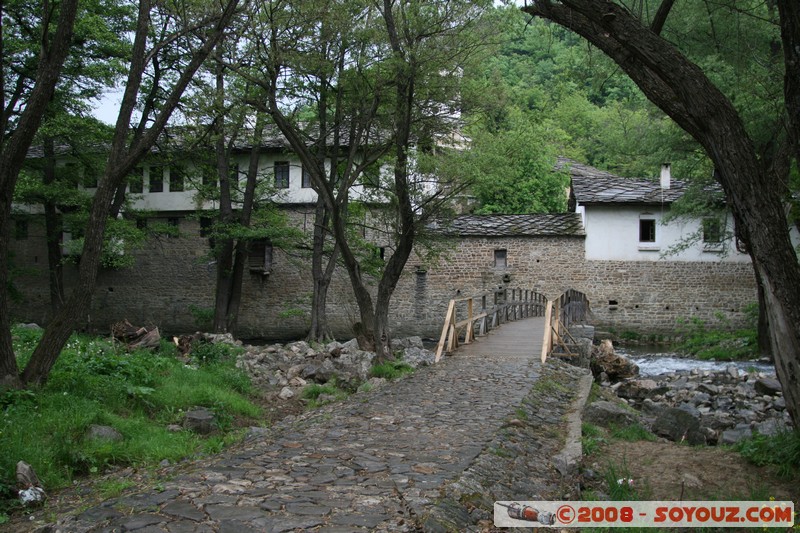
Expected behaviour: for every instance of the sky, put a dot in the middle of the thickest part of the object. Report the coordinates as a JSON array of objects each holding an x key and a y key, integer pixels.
[{"x": 107, "y": 108}]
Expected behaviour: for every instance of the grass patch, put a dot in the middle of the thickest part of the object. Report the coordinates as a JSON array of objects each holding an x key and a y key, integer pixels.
[
  {"x": 390, "y": 370},
  {"x": 621, "y": 486},
  {"x": 781, "y": 452},
  {"x": 318, "y": 395},
  {"x": 137, "y": 393},
  {"x": 592, "y": 437},
  {"x": 632, "y": 433},
  {"x": 718, "y": 344}
]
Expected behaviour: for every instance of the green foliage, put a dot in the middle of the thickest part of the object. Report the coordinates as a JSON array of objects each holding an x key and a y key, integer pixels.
[
  {"x": 717, "y": 344},
  {"x": 592, "y": 437},
  {"x": 210, "y": 353},
  {"x": 621, "y": 486},
  {"x": 203, "y": 316},
  {"x": 390, "y": 370},
  {"x": 137, "y": 393},
  {"x": 781, "y": 452},
  {"x": 313, "y": 392},
  {"x": 511, "y": 170}
]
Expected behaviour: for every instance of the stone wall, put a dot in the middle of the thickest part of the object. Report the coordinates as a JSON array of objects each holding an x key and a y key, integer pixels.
[{"x": 173, "y": 282}]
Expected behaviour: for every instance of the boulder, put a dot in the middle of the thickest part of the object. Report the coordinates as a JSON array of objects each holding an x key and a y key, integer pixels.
[
  {"x": 605, "y": 414},
  {"x": 200, "y": 420},
  {"x": 97, "y": 432},
  {"x": 286, "y": 393},
  {"x": 417, "y": 357},
  {"x": 614, "y": 365},
  {"x": 768, "y": 386},
  {"x": 732, "y": 436},
  {"x": 678, "y": 425},
  {"x": 639, "y": 389},
  {"x": 408, "y": 342}
]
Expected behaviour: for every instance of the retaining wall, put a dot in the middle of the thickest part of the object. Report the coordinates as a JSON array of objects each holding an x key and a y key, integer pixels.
[{"x": 172, "y": 283}]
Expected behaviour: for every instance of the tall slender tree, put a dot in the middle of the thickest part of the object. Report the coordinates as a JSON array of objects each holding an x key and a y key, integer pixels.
[
  {"x": 23, "y": 103},
  {"x": 169, "y": 46},
  {"x": 386, "y": 85}
]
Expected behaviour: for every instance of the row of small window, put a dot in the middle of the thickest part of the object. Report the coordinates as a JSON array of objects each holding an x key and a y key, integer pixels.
[
  {"x": 177, "y": 179},
  {"x": 178, "y": 174},
  {"x": 711, "y": 228}
]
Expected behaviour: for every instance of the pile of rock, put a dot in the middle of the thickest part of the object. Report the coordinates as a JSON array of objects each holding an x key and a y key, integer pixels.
[
  {"x": 292, "y": 366},
  {"x": 697, "y": 406}
]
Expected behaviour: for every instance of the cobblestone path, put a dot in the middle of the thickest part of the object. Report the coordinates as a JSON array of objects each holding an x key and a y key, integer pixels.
[{"x": 373, "y": 462}]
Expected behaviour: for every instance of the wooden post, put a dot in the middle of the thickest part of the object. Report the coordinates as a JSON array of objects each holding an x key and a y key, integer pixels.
[
  {"x": 448, "y": 319},
  {"x": 548, "y": 331},
  {"x": 469, "y": 334}
]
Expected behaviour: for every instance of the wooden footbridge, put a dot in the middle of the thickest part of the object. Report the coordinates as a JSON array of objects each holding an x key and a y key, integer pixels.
[{"x": 544, "y": 331}]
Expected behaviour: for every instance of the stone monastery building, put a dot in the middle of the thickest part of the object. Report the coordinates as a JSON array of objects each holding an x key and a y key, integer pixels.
[{"x": 612, "y": 245}]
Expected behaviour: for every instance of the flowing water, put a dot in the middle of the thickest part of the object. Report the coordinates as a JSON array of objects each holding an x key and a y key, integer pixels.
[{"x": 655, "y": 360}]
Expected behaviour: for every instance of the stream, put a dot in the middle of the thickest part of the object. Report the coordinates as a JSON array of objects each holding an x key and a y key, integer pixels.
[{"x": 655, "y": 360}]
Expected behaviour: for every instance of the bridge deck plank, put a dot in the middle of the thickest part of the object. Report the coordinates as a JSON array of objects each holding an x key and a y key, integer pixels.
[{"x": 522, "y": 338}]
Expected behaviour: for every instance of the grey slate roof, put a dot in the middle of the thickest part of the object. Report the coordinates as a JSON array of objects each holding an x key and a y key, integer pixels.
[
  {"x": 544, "y": 225},
  {"x": 593, "y": 186}
]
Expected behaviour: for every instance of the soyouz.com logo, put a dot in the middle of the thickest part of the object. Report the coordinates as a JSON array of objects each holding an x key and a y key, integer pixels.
[{"x": 644, "y": 514}]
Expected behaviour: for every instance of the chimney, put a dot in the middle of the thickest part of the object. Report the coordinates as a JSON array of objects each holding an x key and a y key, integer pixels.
[{"x": 665, "y": 176}]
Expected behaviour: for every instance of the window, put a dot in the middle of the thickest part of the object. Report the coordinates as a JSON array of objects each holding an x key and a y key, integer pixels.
[
  {"x": 260, "y": 256},
  {"x": 281, "y": 174},
  {"x": 206, "y": 225},
  {"x": 136, "y": 181},
  {"x": 89, "y": 179},
  {"x": 647, "y": 230},
  {"x": 501, "y": 258},
  {"x": 21, "y": 230},
  {"x": 177, "y": 179},
  {"x": 306, "y": 179},
  {"x": 156, "y": 180},
  {"x": 210, "y": 175},
  {"x": 712, "y": 231}
]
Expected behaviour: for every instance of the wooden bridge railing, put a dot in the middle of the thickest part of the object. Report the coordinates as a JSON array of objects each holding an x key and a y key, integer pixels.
[
  {"x": 572, "y": 307},
  {"x": 486, "y": 311}
]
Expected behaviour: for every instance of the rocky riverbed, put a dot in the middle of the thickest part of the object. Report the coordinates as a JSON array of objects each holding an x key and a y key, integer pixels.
[{"x": 698, "y": 406}]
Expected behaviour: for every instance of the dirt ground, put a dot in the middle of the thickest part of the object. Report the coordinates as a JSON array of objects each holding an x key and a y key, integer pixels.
[{"x": 670, "y": 471}]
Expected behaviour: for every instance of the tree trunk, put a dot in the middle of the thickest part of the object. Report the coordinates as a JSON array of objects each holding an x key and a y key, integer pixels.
[
  {"x": 225, "y": 246},
  {"x": 318, "y": 330},
  {"x": 122, "y": 159},
  {"x": 752, "y": 191},
  {"x": 224, "y": 283},
  {"x": 240, "y": 251},
  {"x": 762, "y": 323},
  {"x": 13, "y": 150},
  {"x": 53, "y": 230}
]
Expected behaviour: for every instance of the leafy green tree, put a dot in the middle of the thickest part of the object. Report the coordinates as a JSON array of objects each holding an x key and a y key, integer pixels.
[
  {"x": 512, "y": 170},
  {"x": 170, "y": 43},
  {"x": 380, "y": 81},
  {"x": 753, "y": 174},
  {"x": 23, "y": 102}
]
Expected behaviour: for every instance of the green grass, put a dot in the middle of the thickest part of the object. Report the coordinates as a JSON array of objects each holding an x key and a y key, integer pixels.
[
  {"x": 718, "y": 344},
  {"x": 138, "y": 394},
  {"x": 313, "y": 392},
  {"x": 635, "y": 432},
  {"x": 591, "y": 438},
  {"x": 781, "y": 452},
  {"x": 390, "y": 370}
]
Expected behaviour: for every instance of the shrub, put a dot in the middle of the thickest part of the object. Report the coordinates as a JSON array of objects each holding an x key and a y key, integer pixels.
[
  {"x": 781, "y": 451},
  {"x": 390, "y": 370},
  {"x": 137, "y": 393}
]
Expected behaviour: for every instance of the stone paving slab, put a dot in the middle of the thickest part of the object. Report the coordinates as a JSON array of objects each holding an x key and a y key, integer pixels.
[{"x": 375, "y": 461}]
